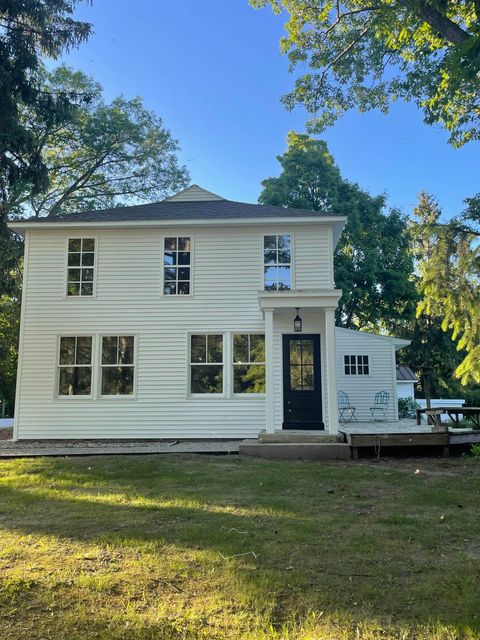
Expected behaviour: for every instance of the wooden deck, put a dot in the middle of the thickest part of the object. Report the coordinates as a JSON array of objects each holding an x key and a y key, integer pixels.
[{"x": 404, "y": 434}]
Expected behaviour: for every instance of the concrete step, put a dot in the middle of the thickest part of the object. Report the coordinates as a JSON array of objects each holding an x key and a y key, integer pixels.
[
  {"x": 298, "y": 436},
  {"x": 296, "y": 450}
]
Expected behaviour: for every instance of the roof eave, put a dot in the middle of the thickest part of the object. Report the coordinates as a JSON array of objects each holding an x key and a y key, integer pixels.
[{"x": 19, "y": 226}]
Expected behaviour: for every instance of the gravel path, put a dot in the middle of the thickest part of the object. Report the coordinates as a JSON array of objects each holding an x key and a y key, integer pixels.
[{"x": 34, "y": 448}]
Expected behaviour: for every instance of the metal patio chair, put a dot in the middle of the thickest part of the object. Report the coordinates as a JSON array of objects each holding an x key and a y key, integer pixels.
[
  {"x": 345, "y": 410},
  {"x": 380, "y": 405}
]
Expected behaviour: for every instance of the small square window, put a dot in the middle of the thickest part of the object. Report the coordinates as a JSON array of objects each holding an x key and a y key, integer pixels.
[{"x": 356, "y": 365}]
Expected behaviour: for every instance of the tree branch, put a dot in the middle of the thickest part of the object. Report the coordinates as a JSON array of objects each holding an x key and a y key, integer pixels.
[
  {"x": 341, "y": 16},
  {"x": 432, "y": 16},
  {"x": 79, "y": 182},
  {"x": 347, "y": 48}
]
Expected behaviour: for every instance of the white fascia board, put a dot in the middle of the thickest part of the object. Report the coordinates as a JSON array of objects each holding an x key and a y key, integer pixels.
[
  {"x": 21, "y": 226},
  {"x": 398, "y": 342},
  {"x": 311, "y": 299}
]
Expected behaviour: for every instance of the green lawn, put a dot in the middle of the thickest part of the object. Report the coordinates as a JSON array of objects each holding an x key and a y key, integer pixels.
[{"x": 144, "y": 547}]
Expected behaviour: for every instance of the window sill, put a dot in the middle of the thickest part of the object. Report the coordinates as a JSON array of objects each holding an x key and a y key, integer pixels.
[
  {"x": 219, "y": 396},
  {"x": 248, "y": 395},
  {"x": 72, "y": 397}
]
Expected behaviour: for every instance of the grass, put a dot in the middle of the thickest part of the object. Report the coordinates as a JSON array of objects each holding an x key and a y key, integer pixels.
[{"x": 181, "y": 547}]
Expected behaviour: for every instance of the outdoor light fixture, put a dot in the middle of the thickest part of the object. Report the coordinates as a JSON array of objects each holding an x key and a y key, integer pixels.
[{"x": 297, "y": 322}]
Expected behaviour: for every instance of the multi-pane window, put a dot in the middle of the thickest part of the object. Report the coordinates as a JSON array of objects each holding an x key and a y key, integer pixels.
[
  {"x": 301, "y": 365},
  {"x": 81, "y": 266},
  {"x": 206, "y": 363},
  {"x": 118, "y": 369},
  {"x": 277, "y": 262},
  {"x": 356, "y": 365},
  {"x": 248, "y": 363},
  {"x": 75, "y": 366},
  {"x": 177, "y": 266}
]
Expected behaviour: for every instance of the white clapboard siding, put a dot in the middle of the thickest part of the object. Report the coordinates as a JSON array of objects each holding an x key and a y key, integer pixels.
[
  {"x": 405, "y": 389},
  {"x": 227, "y": 274},
  {"x": 194, "y": 193},
  {"x": 361, "y": 389}
]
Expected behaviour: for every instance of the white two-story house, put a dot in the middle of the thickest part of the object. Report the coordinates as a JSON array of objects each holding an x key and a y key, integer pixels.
[{"x": 195, "y": 317}]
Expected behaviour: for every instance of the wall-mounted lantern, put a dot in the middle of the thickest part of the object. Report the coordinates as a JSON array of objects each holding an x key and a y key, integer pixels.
[{"x": 297, "y": 322}]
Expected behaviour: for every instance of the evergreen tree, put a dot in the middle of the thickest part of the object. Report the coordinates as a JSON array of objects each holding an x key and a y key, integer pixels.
[
  {"x": 448, "y": 258},
  {"x": 29, "y": 31}
]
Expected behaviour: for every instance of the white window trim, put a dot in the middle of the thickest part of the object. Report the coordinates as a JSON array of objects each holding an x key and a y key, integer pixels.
[
  {"x": 232, "y": 365},
  {"x": 76, "y": 236},
  {"x": 68, "y": 398},
  {"x": 122, "y": 397},
  {"x": 225, "y": 352},
  {"x": 292, "y": 258},
  {"x": 162, "y": 265},
  {"x": 359, "y": 376}
]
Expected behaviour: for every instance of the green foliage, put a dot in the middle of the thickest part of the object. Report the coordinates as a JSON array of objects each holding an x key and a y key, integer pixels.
[
  {"x": 372, "y": 264},
  {"x": 9, "y": 329},
  {"x": 475, "y": 451},
  {"x": 29, "y": 30},
  {"x": 407, "y": 408},
  {"x": 449, "y": 271},
  {"x": 366, "y": 54},
  {"x": 104, "y": 155}
]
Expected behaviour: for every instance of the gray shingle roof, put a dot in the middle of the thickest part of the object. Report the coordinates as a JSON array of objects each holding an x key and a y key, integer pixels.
[
  {"x": 205, "y": 210},
  {"x": 405, "y": 373}
]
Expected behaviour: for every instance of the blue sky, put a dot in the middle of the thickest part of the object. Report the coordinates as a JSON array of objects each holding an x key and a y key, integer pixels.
[{"x": 213, "y": 71}]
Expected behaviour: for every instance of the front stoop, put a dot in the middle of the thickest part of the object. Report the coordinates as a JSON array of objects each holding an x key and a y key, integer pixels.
[
  {"x": 296, "y": 450},
  {"x": 297, "y": 436}
]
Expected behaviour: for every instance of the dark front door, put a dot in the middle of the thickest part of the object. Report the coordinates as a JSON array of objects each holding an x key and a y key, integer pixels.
[{"x": 302, "y": 392}]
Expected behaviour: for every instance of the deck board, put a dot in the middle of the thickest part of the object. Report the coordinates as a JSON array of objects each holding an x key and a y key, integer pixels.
[{"x": 404, "y": 434}]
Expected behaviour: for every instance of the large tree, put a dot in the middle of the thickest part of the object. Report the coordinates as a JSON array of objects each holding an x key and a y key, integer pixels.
[
  {"x": 430, "y": 344},
  {"x": 29, "y": 31},
  {"x": 372, "y": 264},
  {"x": 449, "y": 278},
  {"x": 103, "y": 155},
  {"x": 367, "y": 53}
]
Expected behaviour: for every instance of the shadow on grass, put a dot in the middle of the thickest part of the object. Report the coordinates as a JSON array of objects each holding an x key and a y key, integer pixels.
[{"x": 336, "y": 539}]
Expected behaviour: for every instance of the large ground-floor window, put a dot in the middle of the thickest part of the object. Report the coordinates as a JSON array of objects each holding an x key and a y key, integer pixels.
[
  {"x": 248, "y": 363},
  {"x": 75, "y": 366},
  {"x": 206, "y": 363},
  {"x": 118, "y": 368}
]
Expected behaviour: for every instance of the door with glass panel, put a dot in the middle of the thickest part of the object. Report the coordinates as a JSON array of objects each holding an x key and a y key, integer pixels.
[{"x": 302, "y": 392}]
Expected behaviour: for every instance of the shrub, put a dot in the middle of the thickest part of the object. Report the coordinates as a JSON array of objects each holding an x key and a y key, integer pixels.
[
  {"x": 407, "y": 407},
  {"x": 475, "y": 451}
]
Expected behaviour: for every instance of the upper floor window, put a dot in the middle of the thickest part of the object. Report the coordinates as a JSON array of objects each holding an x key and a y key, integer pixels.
[
  {"x": 277, "y": 262},
  {"x": 177, "y": 266},
  {"x": 206, "y": 363},
  {"x": 81, "y": 266},
  {"x": 248, "y": 363},
  {"x": 118, "y": 368},
  {"x": 356, "y": 365},
  {"x": 75, "y": 366}
]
